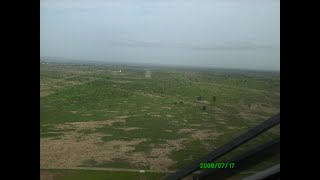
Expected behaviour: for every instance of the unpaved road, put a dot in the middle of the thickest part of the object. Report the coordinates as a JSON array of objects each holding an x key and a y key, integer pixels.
[{"x": 148, "y": 74}]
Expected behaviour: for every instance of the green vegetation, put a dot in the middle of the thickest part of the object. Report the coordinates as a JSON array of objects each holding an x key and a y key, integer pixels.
[
  {"x": 179, "y": 111},
  {"x": 100, "y": 175}
]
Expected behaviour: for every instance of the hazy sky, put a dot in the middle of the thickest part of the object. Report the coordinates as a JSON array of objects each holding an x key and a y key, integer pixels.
[{"x": 218, "y": 33}]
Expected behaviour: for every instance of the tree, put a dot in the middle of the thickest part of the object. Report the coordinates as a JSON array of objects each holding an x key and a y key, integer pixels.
[
  {"x": 204, "y": 108},
  {"x": 199, "y": 98}
]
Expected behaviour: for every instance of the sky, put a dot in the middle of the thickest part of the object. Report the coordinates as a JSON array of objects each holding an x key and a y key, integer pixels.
[{"x": 242, "y": 34}]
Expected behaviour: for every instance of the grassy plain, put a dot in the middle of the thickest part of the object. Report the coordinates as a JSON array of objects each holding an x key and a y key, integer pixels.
[{"x": 157, "y": 118}]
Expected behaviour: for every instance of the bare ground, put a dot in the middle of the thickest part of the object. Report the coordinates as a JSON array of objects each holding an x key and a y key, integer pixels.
[
  {"x": 46, "y": 175},
  {"x": 74, "y": 150}
]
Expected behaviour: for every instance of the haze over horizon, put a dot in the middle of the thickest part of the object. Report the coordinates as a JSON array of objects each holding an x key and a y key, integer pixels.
[{"x": 243, "y": 34}]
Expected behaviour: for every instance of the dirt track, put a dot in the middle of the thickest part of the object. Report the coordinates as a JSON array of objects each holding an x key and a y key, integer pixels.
[{"x": 148, "y": 74}]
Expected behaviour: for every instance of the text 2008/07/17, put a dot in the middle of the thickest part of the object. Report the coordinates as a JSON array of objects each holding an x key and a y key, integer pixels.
[{"x": 216, "y": 165}]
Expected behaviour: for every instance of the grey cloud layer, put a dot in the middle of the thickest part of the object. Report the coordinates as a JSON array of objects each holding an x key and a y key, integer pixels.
[{"x": 224, "y": 33}]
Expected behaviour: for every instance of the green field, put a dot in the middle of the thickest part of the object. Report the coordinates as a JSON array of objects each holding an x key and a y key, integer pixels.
[
  {"x": 156, "y": 118},
  {"x": 97, "y": 175}
]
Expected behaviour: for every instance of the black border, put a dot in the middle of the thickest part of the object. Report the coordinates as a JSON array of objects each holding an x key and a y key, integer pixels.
[
  {"x": 299, "y": 129},
  {"x": 20, "y": 89}
]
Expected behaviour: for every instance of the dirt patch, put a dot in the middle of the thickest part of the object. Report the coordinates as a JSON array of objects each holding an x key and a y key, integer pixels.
[
  {"x": 204, "y": 135},
  {"x": 156, "y": 115},
  {"x": 169, "y": 116},
  {"x": 47, "y": 175},
  {"x": 195, "y": 125},
  {"x": 201, "y": 135},
  {"x": 122, "y": 117},
  {"x": 69, "y": 152},
  {"x": 251, "y": 111},
  {"x": 186, "y": 130},
  {"x": 166, "y": 107},
  {"x": 90, "y": 124},
  {"x": 203, "y": 102},
  {"x": 129, "y": 128},
  {"x": 74, "y": 150},
  {"x": 247, "y": 115},
  {"x": 158, "y": 158},
  {"x": 148, "y": 95},
  {"x": 255, "y": 106},
  {"x": 44, "y": 93}
]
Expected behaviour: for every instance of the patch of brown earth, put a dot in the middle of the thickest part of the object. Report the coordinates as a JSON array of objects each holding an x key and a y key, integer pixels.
[
  {"x": 149, "y": 95},
  {"x": 90, "y": 124},
  {"x": 186, "y": 130},
  {"x": 255, "y": 106},
  {"x": 250, "y": 112},
  {"x": 47, "y": 175},
  {"x": 156, "y": 115},
  {"x": 203, "y": 102},
  {"x": 129, "y": 128},
  {"x": 195, "y": 125},
  {"x": 73, "y": 150},
  {"x": 204, "y": 135},
  {"x": 251, "y": 116},
  {"x": 158, "y": 158},
  {"x": 201, "y": 135}
]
